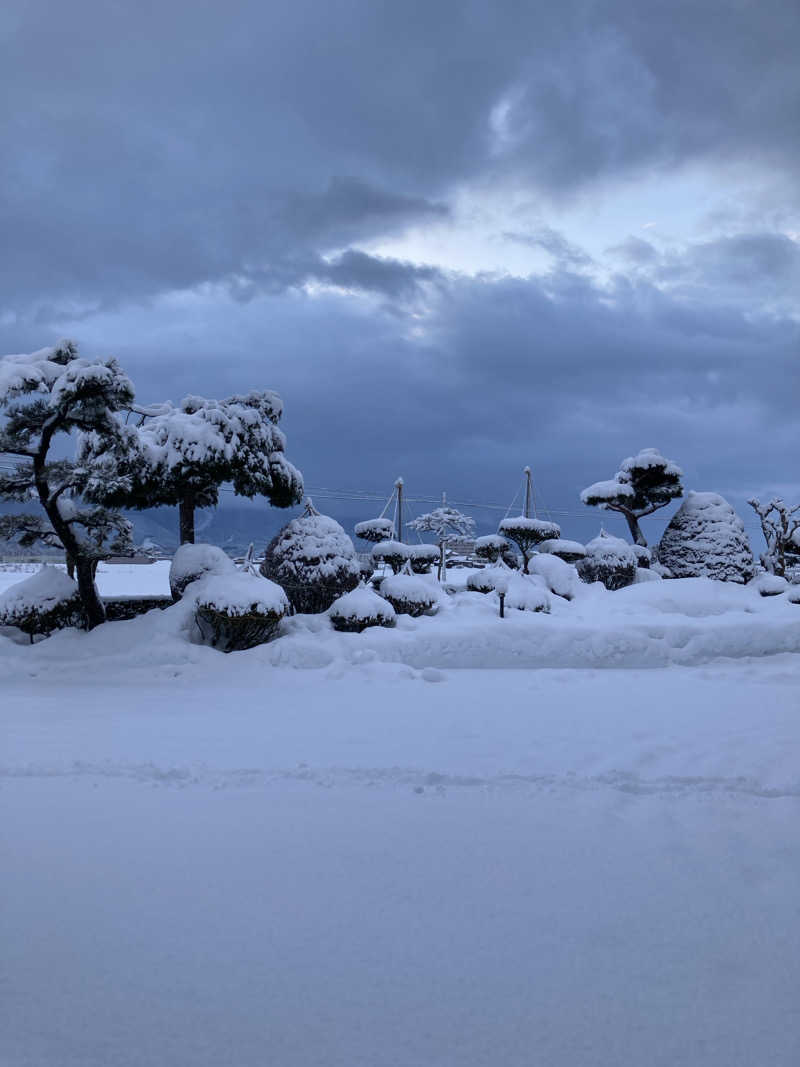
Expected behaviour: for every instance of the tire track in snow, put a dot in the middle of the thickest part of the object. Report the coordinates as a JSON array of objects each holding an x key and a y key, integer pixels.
[{"x": 420, "y": 781}]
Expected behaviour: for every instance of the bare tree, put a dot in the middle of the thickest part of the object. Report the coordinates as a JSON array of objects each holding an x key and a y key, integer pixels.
[{"x": 779, "y": 524}]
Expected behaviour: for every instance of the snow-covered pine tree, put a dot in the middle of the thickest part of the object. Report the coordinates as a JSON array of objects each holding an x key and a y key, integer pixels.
[
  {"x": 706, "y": 539},
  {"x": 643, "y": 484},
  {"x": 448, "y": 524},
  {"x": 181, "y": 456},
  {"x": 43, "y": 395},
  {"x": 527, "y": 533}
]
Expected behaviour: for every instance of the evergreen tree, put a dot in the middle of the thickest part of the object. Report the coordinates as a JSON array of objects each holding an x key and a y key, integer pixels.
[
  {"x": 181, "y": 456},
  {"x": 448, "y": 525},
  {"x": 43, "y": 395},
  {"x": 643, "y": 484}
]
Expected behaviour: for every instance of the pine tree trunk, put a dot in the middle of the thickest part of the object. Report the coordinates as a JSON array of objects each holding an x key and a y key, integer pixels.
[
  {"x": 186, "y": 519},
  {"x": 442, "y": 563},
  {"x": 633, "y": 526},
  {"x": 92, "y": 604}
]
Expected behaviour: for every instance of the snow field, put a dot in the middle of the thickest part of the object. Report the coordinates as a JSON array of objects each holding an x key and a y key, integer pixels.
[{"x": 345, "y": 850}]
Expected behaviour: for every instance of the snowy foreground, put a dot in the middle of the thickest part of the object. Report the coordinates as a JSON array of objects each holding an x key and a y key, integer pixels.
[{"x": 392, "y": 849}]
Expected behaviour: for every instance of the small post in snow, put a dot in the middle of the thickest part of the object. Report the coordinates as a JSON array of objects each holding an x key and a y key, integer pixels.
[{"x": 502, "y": 605}]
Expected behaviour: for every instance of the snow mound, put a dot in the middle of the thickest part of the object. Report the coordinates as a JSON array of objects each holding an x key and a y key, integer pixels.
[
  {"x": 409, "y": 594},
  {"x": 560, "y": 578},
  {"x": 707, "y": 539},
  {"x": 769, "y": 584},
  {"x": 525, "y": 593}
]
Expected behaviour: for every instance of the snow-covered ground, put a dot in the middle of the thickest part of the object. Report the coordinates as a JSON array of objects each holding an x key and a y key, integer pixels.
[{"x": 393, "y": 849}]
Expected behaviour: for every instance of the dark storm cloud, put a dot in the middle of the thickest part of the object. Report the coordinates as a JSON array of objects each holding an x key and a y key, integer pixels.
[
  {"x": 153, "y": 146},
  {"x": 243, "y": 149}
]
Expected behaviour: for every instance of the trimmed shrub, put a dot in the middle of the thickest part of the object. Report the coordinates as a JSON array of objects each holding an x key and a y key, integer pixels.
[
  {"x": 487, "y": 580},
  {"x": 375, "y": 530},
  {"x": 43, "y": 603},
  {"x": 707, "y": 539},
  {"x": 422, "y": 558},
  {"x": 314, "y": 561},
  {"x": 192, "y": 562},
  {"x": 393, "y": 553},
  {"x": 609, "y": 560},
  {"x": 408, "y": 594},
  {"x": 569, "y": 551},
  {"x": 236, "y": 612},
  {"x": 357, "y": 610}
]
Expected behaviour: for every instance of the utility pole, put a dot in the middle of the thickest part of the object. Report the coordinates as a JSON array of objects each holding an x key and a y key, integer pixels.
[
  {"x": 527, "y": 473},
  {"x": 399, "y": 487}
]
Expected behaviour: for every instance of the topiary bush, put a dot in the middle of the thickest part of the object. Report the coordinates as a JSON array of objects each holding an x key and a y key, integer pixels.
[
  {"x": 568, "y": 551},
  {"x": 313, "y": 560},
  {"x": 393, "y": 553},
  {"x": 488, "y": 579},
  {"x": 239, "y": 611},
  {"x": 192, "y": 562},
  {"x": 409, "y": 594},
  {"x": 609, "y": 560},
  {"x": 43, "y": 603},
  {"x": 422, "y": 558},
  {"x": 375, "y": 530},
  {"x": 357, "y": 610}
]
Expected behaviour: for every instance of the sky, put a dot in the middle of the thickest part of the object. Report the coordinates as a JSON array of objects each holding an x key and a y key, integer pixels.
[{"x": 457, "y": 238}]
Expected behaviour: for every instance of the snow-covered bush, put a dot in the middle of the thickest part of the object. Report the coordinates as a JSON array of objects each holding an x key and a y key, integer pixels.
[
  {"x": 792, "y": 595},
  {"x": 528, "y": 533},
  {"x": 375, "y": 530},
  {"x": 191, "y": 562},
  {"x": 238, "y": 611},
  {"x": 643, "y": 556},
  {"x": 525, "y": 593},
  {"x": 392, "y": 553},
  {"x": 489, "y": 579},
  {"x": 408, "y": 594},
  {"x": 422, "y": 557},
  {"x": 313, "y": 560},
  {"x": 769, "y": 584},
  {"x": 45, "y": 602},
  {"x": 609, "y": 560},
  {"x": 707, "y": 539},
  {"x": 493, "y": 548},
  {"x": 560, "y": 578},
  {"x": 569, "y": 551},
  {"x": 360, "y": 608}
]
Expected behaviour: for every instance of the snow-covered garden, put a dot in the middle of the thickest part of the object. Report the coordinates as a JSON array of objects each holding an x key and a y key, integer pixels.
[{"x": 327, "y": 809}]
